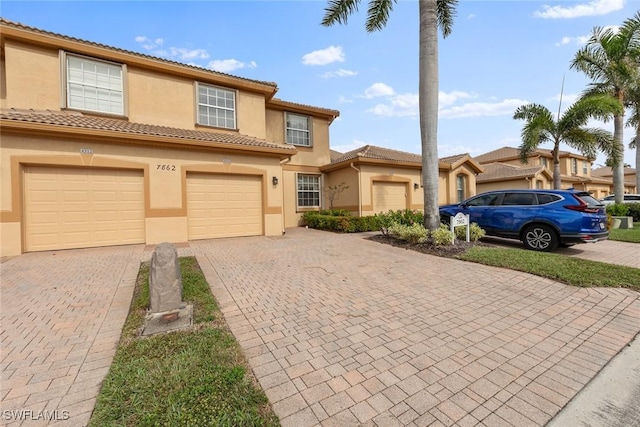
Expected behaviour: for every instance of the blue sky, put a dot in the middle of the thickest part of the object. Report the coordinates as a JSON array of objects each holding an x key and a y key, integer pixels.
[{"x": 500, "y": 55}]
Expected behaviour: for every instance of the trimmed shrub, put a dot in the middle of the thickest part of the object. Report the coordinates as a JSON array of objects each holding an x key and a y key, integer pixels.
[
  {"x": 442, "y": 236},
  {"x": 617, "y": 209},
  {"x": 414, "y": 233},
  {"x": 340, "y": 223},
  {"x": 475, "y": 232},
  {"x": 634, "y": 211},
  {"x": 401, "y": 216}
]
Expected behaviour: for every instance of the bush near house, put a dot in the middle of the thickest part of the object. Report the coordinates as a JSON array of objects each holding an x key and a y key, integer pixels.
[
  {"x": 618, "y": 209},
  {"x": 401, "y": 216},
  {"x": 339, "y": 220},
  {"x": 634, "y": 211}
]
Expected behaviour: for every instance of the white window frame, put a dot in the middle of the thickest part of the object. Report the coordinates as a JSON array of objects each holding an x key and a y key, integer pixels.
[
  {"x": 584, "y": 167},
  {"x": 215, "y": 120},
  {"x": 544, "y": 162},
  {"x": 461, "y": 187},
  {"x": 300, "y": 190},
  {"x": 107, "y": 89},
  {"x": 574, "y": 166},
  {"x": 298, "y": 131}
]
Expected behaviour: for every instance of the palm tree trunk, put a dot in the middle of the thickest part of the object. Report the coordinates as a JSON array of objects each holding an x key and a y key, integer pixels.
[
  {"x": 638, "y": 160},
  {"x": 557, "y": 179},
  {"x": 617, "y": 166},
  {"x": 428, "y": 95}
]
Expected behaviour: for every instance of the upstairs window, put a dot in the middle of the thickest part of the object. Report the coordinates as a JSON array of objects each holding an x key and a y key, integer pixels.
[
  {"x": 308, "y": 191},
  {"x": 216, "y": 107},
  {"x": 298, "y": 129},
  {"x": 574, "y": 166},
  {"x": 544, "y": 162},
  {"x": 460, "y": 186},
  {"x": 584, "y": 167},
  {"x": 94, "y": 85}
]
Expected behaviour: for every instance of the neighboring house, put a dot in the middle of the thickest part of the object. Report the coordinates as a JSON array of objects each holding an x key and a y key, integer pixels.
[
  {"x": 380, "y": 179},
  {"x": 103, "y": 146},
  {"x": 575, "y": 172},
  {"x": 629, "y": 177}
]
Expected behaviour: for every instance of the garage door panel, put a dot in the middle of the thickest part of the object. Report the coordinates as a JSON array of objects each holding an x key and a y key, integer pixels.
[
  {"x": 224, "y": 206},
  {"x": 76, "y": 208},
  {"x": 389, "y": 196}
]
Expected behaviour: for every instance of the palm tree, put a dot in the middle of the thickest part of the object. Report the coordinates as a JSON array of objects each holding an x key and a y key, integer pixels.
[
  {"x": 433, "y": 14},
  {"x": 569, "y": 128},
  {"x": 610, "y": 59},
  {"x": 633, "y": 102}
]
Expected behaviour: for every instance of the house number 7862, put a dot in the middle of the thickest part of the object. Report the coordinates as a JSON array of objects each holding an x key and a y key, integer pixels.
[{"x": 167, "y": 167}]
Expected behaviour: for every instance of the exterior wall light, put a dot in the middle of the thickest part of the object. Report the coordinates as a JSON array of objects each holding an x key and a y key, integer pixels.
[
  {"x": 274, "y": 180},
  {"x": 415, "y": 186}
]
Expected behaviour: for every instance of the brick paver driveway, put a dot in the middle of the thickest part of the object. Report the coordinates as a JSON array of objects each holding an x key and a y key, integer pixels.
[
  {"x": 61, "y": 317},
  {"x": 343, "y": 331}
]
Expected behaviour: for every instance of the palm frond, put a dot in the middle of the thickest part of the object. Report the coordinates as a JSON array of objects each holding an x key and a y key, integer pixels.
[
  {"x": 446, "y": 11},
  {"x": 338, "y": 12},
  {"x": 378, "y": 14}
]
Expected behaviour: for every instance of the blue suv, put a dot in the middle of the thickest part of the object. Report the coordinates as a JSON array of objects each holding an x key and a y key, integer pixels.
[{"x": 541, "y": 219}]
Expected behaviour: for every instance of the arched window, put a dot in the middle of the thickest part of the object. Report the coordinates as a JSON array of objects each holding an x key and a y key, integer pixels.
[{"x": 461, "y": 184}]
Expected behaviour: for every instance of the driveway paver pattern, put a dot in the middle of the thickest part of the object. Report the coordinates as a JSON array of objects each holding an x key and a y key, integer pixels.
[
  {"x": 343, "y": 331},
  {"x": 61, "y": 317}
]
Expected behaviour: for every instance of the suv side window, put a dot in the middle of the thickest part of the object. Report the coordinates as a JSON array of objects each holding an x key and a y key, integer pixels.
[
  {"x": 633, "y": 198},
  {"x": 484, "y": 200},
  {"x": 543, "y": 199},
  {"x": 519, "y": 199}
]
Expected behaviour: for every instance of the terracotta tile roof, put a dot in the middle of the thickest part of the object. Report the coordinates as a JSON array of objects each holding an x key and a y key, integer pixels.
[
  {"x": 502, "y": 171},
  {"x": 373, "y": 152},
  {"x": 453, "y": 159},
  {"x": 505, "y": 153},
  {"x": 335, "y": 155},
  {"x": 21, "y": 26},
  {"x": 282, "y": 103},
  {"x": 605, "y": 171},
  {"x": 79, "y": 120}
]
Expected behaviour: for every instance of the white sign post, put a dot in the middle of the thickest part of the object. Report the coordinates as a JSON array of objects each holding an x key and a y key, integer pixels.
[{"x": 458, "y": 220}]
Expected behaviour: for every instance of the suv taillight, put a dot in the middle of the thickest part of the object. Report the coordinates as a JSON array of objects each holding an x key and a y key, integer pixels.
[{"x": 582, "y": 206}]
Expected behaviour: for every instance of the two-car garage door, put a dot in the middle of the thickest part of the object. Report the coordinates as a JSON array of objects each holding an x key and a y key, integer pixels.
[
  {"x": 67, "y": 208},
  {"x": 224, "y": 205}
]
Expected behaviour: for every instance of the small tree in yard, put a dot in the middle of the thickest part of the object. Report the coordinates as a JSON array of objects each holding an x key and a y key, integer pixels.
[{"x": 333, "y": 191}]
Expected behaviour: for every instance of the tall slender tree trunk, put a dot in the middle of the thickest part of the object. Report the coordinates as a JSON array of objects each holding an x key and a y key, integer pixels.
[
  {"x": 428, "y": 94},
  {"x": 617, "y": 166},
  {"x": 637, "y": 160},
  {"x": 557, "y": 179}
]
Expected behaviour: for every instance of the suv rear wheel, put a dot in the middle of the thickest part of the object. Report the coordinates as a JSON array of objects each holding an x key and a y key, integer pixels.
[{"x": 540, "y": 237}]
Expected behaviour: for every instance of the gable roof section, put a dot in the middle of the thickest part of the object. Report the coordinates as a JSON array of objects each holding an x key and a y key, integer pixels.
[
  {"x": 80, "y": 125},
  {"x": 605, "y": 171},
  {"x": 16, "y": 30},
  {"x": 512, "y": 153},
  {"x": 387, "y": 156},
  {"x": 504, "y": 172}
]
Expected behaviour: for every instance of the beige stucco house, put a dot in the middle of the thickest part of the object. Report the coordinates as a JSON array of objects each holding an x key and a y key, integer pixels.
[
  {"x": 380, "y": 179},
  {"x": 503, "y": 169},
  {"x": 605, "y": 172},
  {"x": 102, "y": 146}
]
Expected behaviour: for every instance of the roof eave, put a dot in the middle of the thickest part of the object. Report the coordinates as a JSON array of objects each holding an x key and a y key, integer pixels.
[{"x": 109, "y": 136}]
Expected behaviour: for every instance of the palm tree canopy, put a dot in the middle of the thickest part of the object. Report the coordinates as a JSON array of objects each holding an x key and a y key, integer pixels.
[{"x": 338, "y": 12}]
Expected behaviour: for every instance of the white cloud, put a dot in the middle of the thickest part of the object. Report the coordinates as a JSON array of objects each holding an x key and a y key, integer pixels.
[
  {"x": 378, "y": 89},
  {"x": 149, "y": 44},
  {"x": 345, "y": 148},
  {"x": 567, "y": 99},
  {"x": 482, "y": 109},
  {"x": 471, "y": 16},
  {"x": 593, "y": 8},
  {"x": 324, "y": 56},
  {"x": 339, "y": 73},
  {"x": 450, "y": 98},
  {"x": 187, "y": 54},
  {"x": 452, "y": 150},
  {"x": 227, "y": 65},
  {"x": 344, "y": 100},
  {"x": 405, "y": 105}
]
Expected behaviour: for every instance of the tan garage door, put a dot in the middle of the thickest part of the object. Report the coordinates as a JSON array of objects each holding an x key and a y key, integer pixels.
[
  {"x": 80, "y": 208},
  {"x": 224, "y": 206},
  {"x": 389, "y": 196}
]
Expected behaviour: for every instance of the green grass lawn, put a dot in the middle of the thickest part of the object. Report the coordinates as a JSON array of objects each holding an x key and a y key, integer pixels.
[
  {"x": 563, "y": 268},
  {"x": 193, "y": 377},
  {"x": 629, "y": 235}
]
